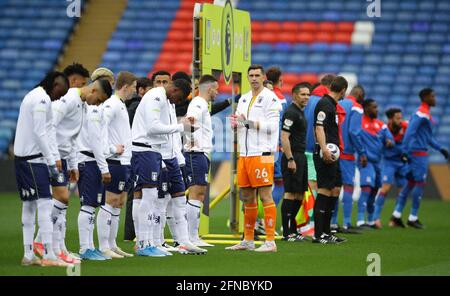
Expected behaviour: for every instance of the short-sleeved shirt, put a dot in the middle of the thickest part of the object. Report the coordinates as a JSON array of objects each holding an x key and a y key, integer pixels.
[
  {"x": 325, "y": 115},
  {"x": 294, "y": 122},
  {"x": 201, "y": 139}
]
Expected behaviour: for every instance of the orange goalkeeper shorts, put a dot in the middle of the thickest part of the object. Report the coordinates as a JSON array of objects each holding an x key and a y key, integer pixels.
[{"x": 255, "y": 171}]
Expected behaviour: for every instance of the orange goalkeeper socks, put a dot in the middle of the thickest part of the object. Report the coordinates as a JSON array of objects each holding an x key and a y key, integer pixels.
[
  {"x": 250, "y": 214},
  {"x": 270, "y": 219}
]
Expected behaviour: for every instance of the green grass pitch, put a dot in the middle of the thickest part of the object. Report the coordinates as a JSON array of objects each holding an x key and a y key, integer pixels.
[{"x": 402, "y": 251}]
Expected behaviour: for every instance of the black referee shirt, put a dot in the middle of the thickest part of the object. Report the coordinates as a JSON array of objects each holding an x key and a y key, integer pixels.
[
  {"x": 294, "y": 122},
  {"x": 325, "y": 115}
]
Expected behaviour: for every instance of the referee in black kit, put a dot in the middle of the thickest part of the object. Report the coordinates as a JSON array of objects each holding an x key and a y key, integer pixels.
[
  {"x": 328, "y": 172},
  {"x": 293, "y": 162}
]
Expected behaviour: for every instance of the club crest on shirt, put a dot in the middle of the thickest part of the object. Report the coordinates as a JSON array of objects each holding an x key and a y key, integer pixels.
[
  {"x": 157, "y": 99},
  {"x": 121, "y": 185},
  {"x": 260, "y": 100},
  {"x": 154, "y": 176},
  {"x": 43, "y": 102}
]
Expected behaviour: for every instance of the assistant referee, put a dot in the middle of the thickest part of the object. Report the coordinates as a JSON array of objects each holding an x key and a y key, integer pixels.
[
  {"x": 328, "y": 171},
  {"x": 293, "y": 161}
]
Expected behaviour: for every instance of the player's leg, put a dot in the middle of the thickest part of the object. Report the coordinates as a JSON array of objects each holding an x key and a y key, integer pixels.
[
  {"x": 388, "y": 173},
  {"x": 402, "y": 196},
  {"x": 419, "y": 175},
  {"x": 147, "y": 169},
  {"x": 91, "y": 195},
  {"x": 367, "y": 182},
  {"x": 348, "y": 175},
  {"x": 372, "y": 196},
  {"x": 197, "y": 169},
  {"x": 278, "y": 186}
]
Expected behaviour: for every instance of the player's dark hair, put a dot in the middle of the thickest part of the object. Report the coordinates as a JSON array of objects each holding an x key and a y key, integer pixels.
[
  {"x": 273, "y": 74},
  {"x": 49, "y": 80},
  {"x": 425, "y": 93},
  {"x": 256, "y": 67},
  {"x": 358, "y": 92},
  {"x": 105, "y": 86},
  {"x": 266, "y": 82},
  {"x": 161, "y": 72},
  {"x": 367, "y": 103},
  {"x": 143, "y": 82},
  {"x": 338, "y": 84},
  {"x": 76, "y": 69},
  {"x": 391, "y": 112},
  {"x": 315, "y": 85},
  {"x": 184, "y": 85},
  {"x": 300, "y": 85},
  {"x": 207, "y": 79},
  {"x": 181, "y": 75},
  {"x": 327, "y": 79}
]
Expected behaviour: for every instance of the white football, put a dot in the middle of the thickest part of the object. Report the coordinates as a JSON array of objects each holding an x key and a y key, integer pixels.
[{"x": 334, "y": 149}]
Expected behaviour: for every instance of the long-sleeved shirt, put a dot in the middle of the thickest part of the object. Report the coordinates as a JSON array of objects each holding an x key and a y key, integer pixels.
[
  {"x": 351, "y": 127},
  {"x": 68, "y": 114},
  {"x": 93, "y": 138},
  {"x": 151, "y": 124},
  {"x": 173, "y": 147},
  {"x": 419, "y": 134},
  {"x": 35, "y": 133},
  {"x": 395, "y": 153},
  {"x": 316, "y": 95},
  {"x": 374, "y": 136},
  {"x": 116, "y": 120},
  {"x": 264, "y": 108}
]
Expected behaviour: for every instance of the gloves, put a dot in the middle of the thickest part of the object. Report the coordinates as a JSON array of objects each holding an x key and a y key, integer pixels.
[
  {"x": 444, "y": 152},
  {"x": 53, "y": 171},
  {"x": 404, "y": 158}
]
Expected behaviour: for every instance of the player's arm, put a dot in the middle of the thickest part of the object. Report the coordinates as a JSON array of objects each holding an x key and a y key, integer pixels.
[
  {"x": 109, "y": 114},
  {"x": 96, "y": 138},
  {"x": 437, "y": 146},
  {"x": 39, "y": 117},
  {"x": 355, "y": 128},
  {"x": 287, "y": 125},
  {"x": 153, "y": 113},
  {"x": 320, "y": 116},
  {"x": 387, "y": 137},
  {"x": 271, "y": 122},
  {"x": 72, "y": 161},
  {"x": 219, "y": 106},
  {"x": 411, "y": 131}
]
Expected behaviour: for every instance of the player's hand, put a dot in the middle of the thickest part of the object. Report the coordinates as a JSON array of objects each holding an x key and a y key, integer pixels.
[
  {"x": 389, "y": 143},
  {"x": 404, "y": 158},
  {"x": 188, "y": 124},
  {"x": 120, "y": 149},
  {"x": 237, "y": 121},
  {"x": 363, "y": 160},
  {"x": 74, "y": 175},
  {"x": 53, "y": 171},
  {"x": 444, "y": 152},
  {"x": 58, "y": 164},
  {"x": 106, "y": 178},
  {"x": 327, "y": 157},
  {"x": 292, "y": 166}
]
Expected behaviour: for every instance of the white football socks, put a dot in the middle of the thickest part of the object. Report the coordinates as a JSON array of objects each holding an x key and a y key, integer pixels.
[
  {"x": 115, "y": 217},
  {"x": 181, "y": 224},
  {"x": 170, "y": 218},
  {"x": 104, "y": 226},
  {"x": 28, "y": 227},
  {"x": 58, "y": 208},
  {"x": 135, "y": 212},
  {"x": 44, "y": 207},
  {"x": 193, "y": 218},
  {"x": 86, "y": 215},
  {"x": 149, "y": 195}
]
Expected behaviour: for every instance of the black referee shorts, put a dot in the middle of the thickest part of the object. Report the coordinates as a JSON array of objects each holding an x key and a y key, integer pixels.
[
  {"x": 295, "y": 182},
  {"x": 328, "y": 175}
]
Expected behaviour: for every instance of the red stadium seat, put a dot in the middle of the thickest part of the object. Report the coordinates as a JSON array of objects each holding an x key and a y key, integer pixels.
[
  {"x": 272, "y": 27},
  {"x": 324, "y": 37},
  {"x": 328, "y": 27},
  {"x": 305, "y": 37},
  {"x": 290, "y": 78},
  {"x": 268, "y": 37},
  {"x": 308, "y": 27},
  {"x": 287, "y": 37},
  {"x": 345, "y": 27},
  {"x": 308, "y": 77},
  {"x": 290, "y": 27},
  {"x": 343, "y": 38},
  {"x": 257, "y": 26}
]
